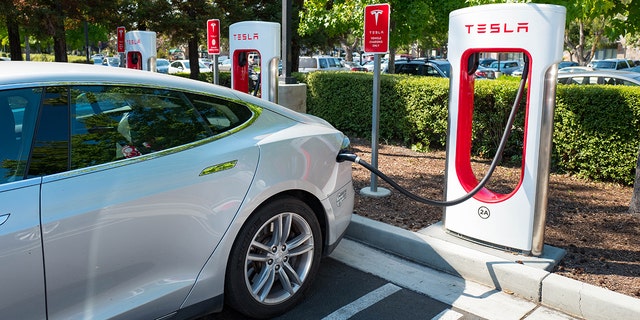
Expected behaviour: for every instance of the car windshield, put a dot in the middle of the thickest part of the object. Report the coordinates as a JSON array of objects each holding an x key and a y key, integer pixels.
[
  {"x": 604, "y": 64},
  {"x": 162, "y": 63},
  {"x": 446, "y": 69}
]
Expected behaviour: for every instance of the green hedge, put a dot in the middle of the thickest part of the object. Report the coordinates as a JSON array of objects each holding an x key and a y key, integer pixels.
[
  {"x": 596, "y": 131},
  {"x": 596, "y": 128}
]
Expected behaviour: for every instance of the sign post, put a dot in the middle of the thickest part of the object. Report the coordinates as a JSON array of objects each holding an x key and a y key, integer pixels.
[
  {"x": 376, "y": 41},
  {"x": 120, "y": 44},
  {"x": 213, "y": 45}
]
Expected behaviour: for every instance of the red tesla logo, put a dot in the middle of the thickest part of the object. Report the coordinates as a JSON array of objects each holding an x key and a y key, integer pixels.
[{"x": 520, "y": 27}]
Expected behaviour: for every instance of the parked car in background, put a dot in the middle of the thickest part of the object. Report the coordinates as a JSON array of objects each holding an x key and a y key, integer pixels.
[
  {"x": 505, "y": 67},
  {"x": 179, "y": 66},
  {"x": 320, "y": 63},
  {"x": 133, "y": 195},
  {"x": 97, "y": 60},
  {"x": 206, "y": 62},
  {"x": 564, "y": 64},
  {"x": 111, "y": 62},
  {"x": 604, "y": 77},
  {"x": 485, "y": 73},
  {"x": 486, "y": 62},
  {"x": 354, "y": 66},
  {"x": 575, "y": 69},
  {"x": 518, "y": 72},
  {"x": 422, "y": 67},
  {"x": 369, "y": 64},
  {"x": 224, "y": 65},
  {"x": 611, "y": 64},
  {"x": 162, "y": 65}
]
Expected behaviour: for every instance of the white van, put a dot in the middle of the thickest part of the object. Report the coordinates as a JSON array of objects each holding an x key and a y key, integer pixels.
[{"x": 320, "y": 63}]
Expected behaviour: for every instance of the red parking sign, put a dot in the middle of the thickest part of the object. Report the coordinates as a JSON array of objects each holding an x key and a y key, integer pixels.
[
  {"x": 213, "y": 36},
  {"x": 376, "y": 28},
  {"x": 120, "y": 46}
]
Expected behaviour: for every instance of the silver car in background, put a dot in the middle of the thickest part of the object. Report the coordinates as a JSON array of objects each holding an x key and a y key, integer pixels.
[
  {"x": 134, "y": 195},
  {"x": 608, "y": 77}
]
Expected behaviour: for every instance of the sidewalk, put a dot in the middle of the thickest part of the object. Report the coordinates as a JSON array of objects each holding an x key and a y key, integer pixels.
[{"x": 527, "y": 277}]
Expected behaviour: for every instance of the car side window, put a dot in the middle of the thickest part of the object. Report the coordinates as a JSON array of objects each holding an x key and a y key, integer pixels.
[
  {"x": 111, "y": 123},
  {"x": 323, "y": 63},
  {"x": 308, "y": 63},
  {"x": 18, "y": 112},
  {"x": 220, "y": 115},
  {"x": 431, "y": 71},
  {"x": 50, "y": 153},
  {"x": 411, "y": 68}
]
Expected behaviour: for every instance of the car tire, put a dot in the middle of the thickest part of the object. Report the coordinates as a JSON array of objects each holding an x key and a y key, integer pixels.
[{"x": 274, "y": 259}]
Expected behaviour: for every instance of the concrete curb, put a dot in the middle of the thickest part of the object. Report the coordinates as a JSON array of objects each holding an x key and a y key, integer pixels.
[{"x": 527, "y": 277}]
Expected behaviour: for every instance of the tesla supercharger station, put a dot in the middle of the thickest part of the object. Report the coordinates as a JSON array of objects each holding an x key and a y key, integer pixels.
[
  {"x": 140, "y": 50},
  {"x": 513, "y": 221},
  {"x": 247, "y": 37}
]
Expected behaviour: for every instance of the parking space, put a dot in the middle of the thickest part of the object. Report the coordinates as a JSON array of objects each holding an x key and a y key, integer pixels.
[
  {"x": 344, "y": 292},
  {"x": 358, "y": 282}
]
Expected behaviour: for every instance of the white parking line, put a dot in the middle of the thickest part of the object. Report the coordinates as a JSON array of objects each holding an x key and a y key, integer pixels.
[
  {"x": 462, "y": 294},
  {"x": 363, "y": 302},
  {"x": 448, "y": 314}
]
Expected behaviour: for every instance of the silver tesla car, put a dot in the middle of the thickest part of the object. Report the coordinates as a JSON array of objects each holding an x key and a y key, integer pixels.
[{"x": 134, "y": 195}]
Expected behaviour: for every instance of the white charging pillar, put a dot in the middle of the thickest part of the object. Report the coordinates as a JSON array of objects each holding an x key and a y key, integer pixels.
[
  {"x": 140, "y": 50},
  {"x": 513, "y": 221},
  {"x": 255, "y": 36}
]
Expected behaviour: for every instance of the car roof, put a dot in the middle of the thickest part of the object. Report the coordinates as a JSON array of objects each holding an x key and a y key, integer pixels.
[
  {"x": 597, "y": 72},
  {"x": 26, "y": 73},
  {"x": 613, "y": 59},
  {"x": 602, "y": 73},
  {"x": 415, "y": 61},
  {"x": 21, "y": 74}
]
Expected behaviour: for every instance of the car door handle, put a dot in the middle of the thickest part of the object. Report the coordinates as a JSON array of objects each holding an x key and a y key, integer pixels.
[
  {"x": 218, "y": 167},
  {"x": 4, "y": 218}
]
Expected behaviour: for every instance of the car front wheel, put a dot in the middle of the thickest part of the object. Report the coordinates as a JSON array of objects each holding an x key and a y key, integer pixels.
[{"x": 274, "y": 259}]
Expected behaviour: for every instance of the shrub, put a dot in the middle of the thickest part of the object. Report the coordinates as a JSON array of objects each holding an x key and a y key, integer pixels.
[{"x": 596, "y": 128}]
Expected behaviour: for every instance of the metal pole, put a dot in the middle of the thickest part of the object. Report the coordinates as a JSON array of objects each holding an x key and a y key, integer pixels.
[
  {"x": 373, "y": 190},
  {"x": 286, "y": 43},
  {"x": 375, "y": 114},
  {"x": 215, "y": 70}
]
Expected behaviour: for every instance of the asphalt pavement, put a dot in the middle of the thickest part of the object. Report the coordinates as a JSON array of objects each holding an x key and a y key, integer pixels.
[{"x": 383, "y": 272}]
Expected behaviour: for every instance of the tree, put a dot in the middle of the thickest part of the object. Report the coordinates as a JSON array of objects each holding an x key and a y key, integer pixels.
[
  {"x": 342, "y": 20},
  {"x": 10, "y": 16},
  {"x": 425, "y": 22}
]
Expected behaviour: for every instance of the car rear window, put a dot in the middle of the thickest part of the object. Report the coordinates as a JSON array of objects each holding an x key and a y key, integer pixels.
[{"x": 605, "y": 64}]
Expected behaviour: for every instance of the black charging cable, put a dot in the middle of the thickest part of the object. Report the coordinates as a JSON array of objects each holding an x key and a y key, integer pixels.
[{"x": 494, "y": 163}]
